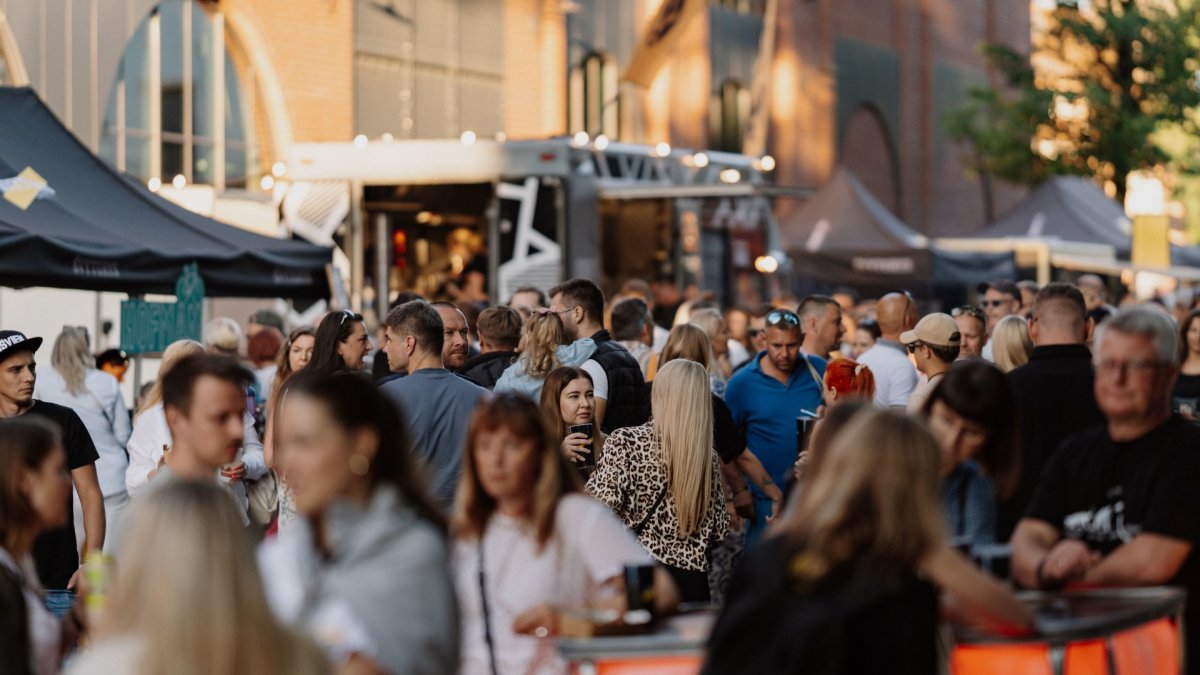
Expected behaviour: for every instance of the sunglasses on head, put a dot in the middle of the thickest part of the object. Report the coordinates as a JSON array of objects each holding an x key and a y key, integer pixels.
[
  {"x": 967, "y": 310},
  {"x": 347, "y": 314},
  {"x": 779, "y": 317}
]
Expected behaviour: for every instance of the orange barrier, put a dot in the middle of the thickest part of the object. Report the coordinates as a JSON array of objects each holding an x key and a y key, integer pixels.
[
  {"x": 650, "y": 665},
  {"x": 1153, "y": 647}
]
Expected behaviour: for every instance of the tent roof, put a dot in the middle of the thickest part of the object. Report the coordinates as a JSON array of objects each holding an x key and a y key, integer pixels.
[
  {"x": 94, "y": 229},
  {"x": 1069, "y": 208},
  {"x": 843, "y": 235}
]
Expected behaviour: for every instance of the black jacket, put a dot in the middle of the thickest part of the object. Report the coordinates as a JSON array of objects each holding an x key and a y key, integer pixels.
[
  {"x": 628, "y": 403},
  {"x": 487, "y": 368},
  {"x": 1055, "y": 399}
]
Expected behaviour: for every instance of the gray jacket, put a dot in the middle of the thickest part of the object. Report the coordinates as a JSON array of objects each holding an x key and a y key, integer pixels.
[{"x": 385, "y": 592}]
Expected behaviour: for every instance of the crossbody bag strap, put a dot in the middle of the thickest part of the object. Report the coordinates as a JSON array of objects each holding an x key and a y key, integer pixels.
[
  {"x": 641, "y": 527},
  {"x": 812, "y": 370},
  {"x": 487, "y": 615}
]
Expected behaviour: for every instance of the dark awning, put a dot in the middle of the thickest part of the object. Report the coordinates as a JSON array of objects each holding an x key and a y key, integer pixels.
[
  {"x": 94, "y": 229},
  {"x": 844, "y": 236}
]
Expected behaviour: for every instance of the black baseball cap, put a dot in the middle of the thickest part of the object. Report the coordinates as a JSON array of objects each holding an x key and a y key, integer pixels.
[{"x": 13, "y": 341}]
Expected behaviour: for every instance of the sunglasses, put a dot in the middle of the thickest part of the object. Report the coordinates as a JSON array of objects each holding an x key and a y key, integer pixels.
[
  {"x": 995, "y": 303},
  {"x": 779, "y": 317},
  {"x": 914, "y": 346},
  {"x": 755, "y": 332}
]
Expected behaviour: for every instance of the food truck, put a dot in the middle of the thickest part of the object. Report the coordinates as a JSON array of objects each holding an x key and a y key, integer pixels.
[{"x": 423, "y": 213}]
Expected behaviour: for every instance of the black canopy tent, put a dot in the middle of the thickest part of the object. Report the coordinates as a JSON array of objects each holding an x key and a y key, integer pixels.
[
  {"x": 1066, "y": 208},
  {"x": 843, "y": 236},
  {"x": 92, "y": 229}
]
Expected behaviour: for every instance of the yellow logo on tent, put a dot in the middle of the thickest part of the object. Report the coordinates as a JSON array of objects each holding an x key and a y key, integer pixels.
[{"x": 24, "y": 188}]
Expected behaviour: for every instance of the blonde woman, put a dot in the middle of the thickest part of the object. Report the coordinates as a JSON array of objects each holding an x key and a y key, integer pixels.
[
  {"x": 663, "y": 478},
  {"x": 151, "y": 438},
  {"x": 544, "y": 347},
  {"x": 712, "y": 322},
  {"x": 849, "y": 582},
  {"x": 73, "y": 381},
  {"x": 1011, "y": 344},
  {"x": 187, "y": 596}
]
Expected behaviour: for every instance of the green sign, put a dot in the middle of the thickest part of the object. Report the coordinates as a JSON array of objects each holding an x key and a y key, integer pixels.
[{"x": 149, "y": 327}]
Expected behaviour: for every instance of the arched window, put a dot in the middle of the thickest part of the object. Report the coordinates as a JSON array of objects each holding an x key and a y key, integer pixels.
[
  {"x": 594, "y": 103},
  {"x": 729, "y": 115},
  {"x": 183, "y": 102}
]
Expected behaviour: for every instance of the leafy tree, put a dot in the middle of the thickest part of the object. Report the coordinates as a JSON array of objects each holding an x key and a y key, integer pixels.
[{"x": 1110, "y": 88}]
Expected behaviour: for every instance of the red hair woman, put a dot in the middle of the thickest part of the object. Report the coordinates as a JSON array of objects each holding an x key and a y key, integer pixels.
[{"x": 846, "y": 379}]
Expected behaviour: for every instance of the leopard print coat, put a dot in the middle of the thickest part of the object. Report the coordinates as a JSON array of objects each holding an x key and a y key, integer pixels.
[{"x": 630, "y": 475}]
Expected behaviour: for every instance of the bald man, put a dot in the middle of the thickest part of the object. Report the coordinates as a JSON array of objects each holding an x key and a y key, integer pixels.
[
  {"x": 1054, "y": 390},
  {"x": 895, "y": 376}
]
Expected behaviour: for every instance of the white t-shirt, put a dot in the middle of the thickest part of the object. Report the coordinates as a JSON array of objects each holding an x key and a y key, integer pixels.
[
  {"x": 45, "y": 631},
  {"x": 895, "y": 375},
  {"x": 590, "y": 546},
  {"x": 599, "y": 378}
]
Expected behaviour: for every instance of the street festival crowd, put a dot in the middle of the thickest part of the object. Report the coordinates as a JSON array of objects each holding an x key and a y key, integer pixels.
[{"x": 825, "y": 472}]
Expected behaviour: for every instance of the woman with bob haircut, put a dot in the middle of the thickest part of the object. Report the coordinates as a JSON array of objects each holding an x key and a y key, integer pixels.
[
  {"x": 35, "y": 491},
  {"x": 973, "y": 415},
  {"x": 187, "y": 597},
  {"x": 365, "y": 570},
  {"x": 1011, "y": 344},
  {"x": 544, "y": 347},
  {"x": 849, "y": 582},
  {"x": 846, "y": 379},
  {"x": 528, "y": 545},
  {"x": 663, "y": 478}
]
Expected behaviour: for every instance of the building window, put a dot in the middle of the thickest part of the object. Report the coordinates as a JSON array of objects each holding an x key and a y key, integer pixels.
[
  {"x": 729, "y": 114},
  {"x": 181, "y": 106},
  {"x": 594, "y": 101}
]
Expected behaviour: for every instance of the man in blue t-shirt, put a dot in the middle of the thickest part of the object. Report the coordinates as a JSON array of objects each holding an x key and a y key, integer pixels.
[{"x": 766, "y": 397}]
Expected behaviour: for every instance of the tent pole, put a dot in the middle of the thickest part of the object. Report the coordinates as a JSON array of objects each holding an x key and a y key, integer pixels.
[
  {"x": 381, "y": 265},
  {"x": 357, "y": 248}
]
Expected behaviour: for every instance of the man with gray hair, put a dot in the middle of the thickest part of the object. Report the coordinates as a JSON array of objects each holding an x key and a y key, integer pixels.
[
  {"x": 1118, "y": 505},
  {"x": 436, "y": 404}
]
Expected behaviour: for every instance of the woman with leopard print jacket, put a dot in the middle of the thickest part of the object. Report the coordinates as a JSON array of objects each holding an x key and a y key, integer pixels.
[{"x": 664, "y": 479}]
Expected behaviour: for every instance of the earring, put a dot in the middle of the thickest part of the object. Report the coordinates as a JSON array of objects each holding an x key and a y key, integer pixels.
[{"x": 359, "y": 464}]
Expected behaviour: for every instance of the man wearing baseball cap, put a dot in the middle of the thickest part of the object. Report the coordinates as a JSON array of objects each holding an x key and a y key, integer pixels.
[
  {"x": 934, "y": 345},
  {"x": 54, "y": 553}
]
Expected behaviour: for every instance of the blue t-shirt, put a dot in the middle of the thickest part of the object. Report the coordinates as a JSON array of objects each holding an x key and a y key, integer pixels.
[{"x": 765, "y": 409}]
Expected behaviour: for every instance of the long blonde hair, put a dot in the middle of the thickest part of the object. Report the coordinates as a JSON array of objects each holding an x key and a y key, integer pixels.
[
  {"x": 543, "y": 335},
  {"x": 1011, "y": 344},
  {"x": 187, "y": 583},
  {"x": 174, "y": 353},
  {"x": 681, "y": 404},
  {"x": 71, "y": 358},
  {"x": 873, "y": 503}
]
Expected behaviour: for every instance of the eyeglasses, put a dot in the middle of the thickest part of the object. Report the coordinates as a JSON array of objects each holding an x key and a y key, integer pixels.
[
  {"x": 780, "y": 316},
  {"x": 347, "y": 314},
  {"x": 1142, "y": 367}
]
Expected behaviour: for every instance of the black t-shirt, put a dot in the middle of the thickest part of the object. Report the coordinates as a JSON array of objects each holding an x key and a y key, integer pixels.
[
  {"x": 1187, "y": 391},
  {"x": 55, "y": 553},
  {"x": 849, "y": 623},
  {"x": 1104, "y": 494}
]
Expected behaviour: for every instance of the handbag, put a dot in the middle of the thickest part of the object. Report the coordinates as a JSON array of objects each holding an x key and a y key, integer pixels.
[{"x": 263, "y": 496}]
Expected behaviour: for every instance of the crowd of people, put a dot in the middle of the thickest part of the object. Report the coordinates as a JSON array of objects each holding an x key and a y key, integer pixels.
[{"x": 446, "y": 499}]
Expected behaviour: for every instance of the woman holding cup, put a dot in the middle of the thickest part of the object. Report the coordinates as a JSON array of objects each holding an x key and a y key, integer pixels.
[{"x": 569, "y": 402}]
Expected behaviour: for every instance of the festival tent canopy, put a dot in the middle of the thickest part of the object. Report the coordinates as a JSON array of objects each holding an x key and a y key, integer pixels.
[
  {"x": 843, "y": 236},
  {"x": 69, "y": 220}
]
